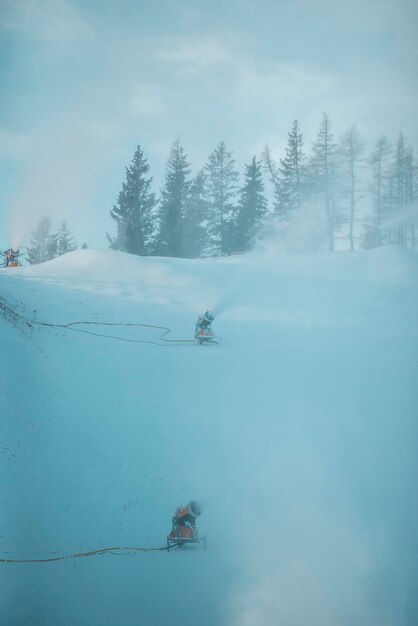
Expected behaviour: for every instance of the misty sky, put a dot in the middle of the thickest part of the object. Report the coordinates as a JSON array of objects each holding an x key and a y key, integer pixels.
[{"x": 84, "y": 81}]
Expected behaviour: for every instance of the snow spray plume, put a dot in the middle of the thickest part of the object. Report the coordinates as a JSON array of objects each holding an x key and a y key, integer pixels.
[
  {"x": 405, "y": 218},
  {"x": 228, "y": 295},
  {"x": 303, "y": 232},
  {"x": 226, "y": 302}
]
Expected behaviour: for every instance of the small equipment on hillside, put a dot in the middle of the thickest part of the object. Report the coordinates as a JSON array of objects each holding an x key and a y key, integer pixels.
[
  {"x": 11, "y": 258},
  {"x": 184, "y": 528},
  {"x": 203, "y": 332}
]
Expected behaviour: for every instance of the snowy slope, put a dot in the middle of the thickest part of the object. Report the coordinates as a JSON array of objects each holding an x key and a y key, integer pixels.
[{"x": 297, "y": 433}]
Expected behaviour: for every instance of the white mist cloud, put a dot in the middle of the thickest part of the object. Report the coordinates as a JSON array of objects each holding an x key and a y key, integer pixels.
[
  {"x": 197, "y": 54},
  {"x": 50, "y": 20},
  {"x": 13, "y": 145},
  {"x": 62, "y": 166},
  {"x": 149, "y": 100},
  {"x": 406, "y": 217},
  {"x": 305, "y": 558}
]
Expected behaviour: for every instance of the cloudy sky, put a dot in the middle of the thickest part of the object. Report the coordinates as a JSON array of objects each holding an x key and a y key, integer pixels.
[{"x": 84, "y": 81}]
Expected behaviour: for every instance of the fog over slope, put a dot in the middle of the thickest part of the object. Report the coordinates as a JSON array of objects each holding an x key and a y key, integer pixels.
[{"x": 297, "y": 433}]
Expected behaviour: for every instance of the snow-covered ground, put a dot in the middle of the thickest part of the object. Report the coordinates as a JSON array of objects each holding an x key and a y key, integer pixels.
[{"x": 298, "y": 434}]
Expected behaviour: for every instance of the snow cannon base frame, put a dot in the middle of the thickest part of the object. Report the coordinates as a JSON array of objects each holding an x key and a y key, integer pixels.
[
  {"x": 173, "y": 542},
  {"x": 12, "y": 260},
  {"x": 201, "y": 337}
]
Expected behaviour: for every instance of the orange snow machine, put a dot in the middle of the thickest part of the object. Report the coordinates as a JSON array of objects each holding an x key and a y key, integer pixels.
[
  {"x": 11, "y": 258},
  {"x": 184, "y": 529}
]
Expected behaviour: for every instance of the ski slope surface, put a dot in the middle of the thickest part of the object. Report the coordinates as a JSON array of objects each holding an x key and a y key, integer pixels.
[{"x": 297, "y": 434}]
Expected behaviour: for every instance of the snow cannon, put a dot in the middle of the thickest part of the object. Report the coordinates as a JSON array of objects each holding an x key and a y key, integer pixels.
[
  {"x": 11, "y": 258},
  {"x": 184, "y": 529},
  {"x": 203, "y": 331}
]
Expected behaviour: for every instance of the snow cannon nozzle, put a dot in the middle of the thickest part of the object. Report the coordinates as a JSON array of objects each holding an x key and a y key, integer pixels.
[
  {"x": 209, "y": 316},
  {"x": 195, "y": 508}
]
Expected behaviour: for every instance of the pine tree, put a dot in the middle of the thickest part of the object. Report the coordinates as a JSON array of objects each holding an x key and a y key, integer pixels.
[
  {"x": 412, "y": 172},
  {"x": 196, "y": 212},
  {"x": 351, "y": 150},
  {"x": 252, "y": 206},
  {"x": 270, "y": 167},
  {"x": 322, "y": 174},
  {"x": 402, "y": 191},
  {"x": 221, "y": 191},
  {"x": 39, "y": 251},
  {"x": 134, "y": 213},
  {"x": 52, "y": 246},
  {"x": 65, "y": 241},
  {"x": 380, "y": 184},
  {"x": 174, "y": 197},
  {"x": 292, "y": 172}
]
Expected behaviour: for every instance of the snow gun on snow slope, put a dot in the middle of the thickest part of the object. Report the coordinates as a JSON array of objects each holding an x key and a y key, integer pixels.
[
  {"x": 11, "y": 258},
  {"x": 184, "y": 529},
  {"x": 203, "y": 332}
]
